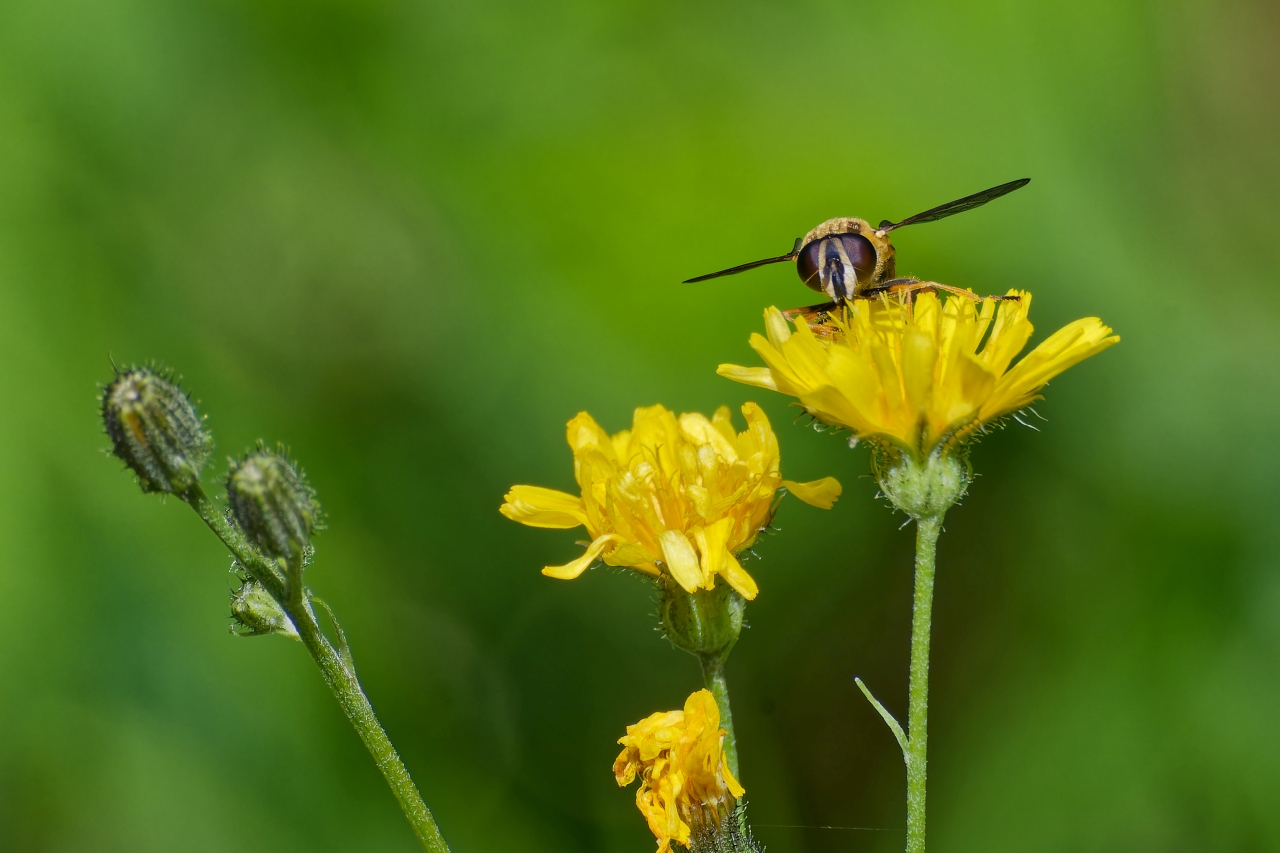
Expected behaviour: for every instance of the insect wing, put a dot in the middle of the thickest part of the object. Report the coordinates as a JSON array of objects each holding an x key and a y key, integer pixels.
[
  {"x": 790, "y": 256},
  {"x": 960, "y": 205}
]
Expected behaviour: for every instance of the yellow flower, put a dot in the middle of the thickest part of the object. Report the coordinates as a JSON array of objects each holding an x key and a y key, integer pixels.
[
  {"x": 684, "y": 774},
  {"x": 916, "y": 375},
  {"x": 680, "y": 496}
]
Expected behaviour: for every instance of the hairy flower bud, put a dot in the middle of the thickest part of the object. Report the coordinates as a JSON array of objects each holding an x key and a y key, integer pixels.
[
  {"x": 706, "y": 622},
  {"x": 156, "y": 430},
  {"x": 731, "y": 834},
  {"x": 922, "y": 489},
  {"x": 272, "y": 503},
  {"x": 255, "y": 613}
]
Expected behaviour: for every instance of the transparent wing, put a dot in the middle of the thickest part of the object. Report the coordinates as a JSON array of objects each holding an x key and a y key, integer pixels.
[
  {"x": 960, "y": 205},
  {"x": 791, "y": 256}
]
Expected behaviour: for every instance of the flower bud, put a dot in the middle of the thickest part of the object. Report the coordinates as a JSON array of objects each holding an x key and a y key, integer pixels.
[
  {"x": 728, "y": 834},
  {"x": 272, "y": 503},
  {"x": 922, "y": 488},
  {"x": 156, "y": 431},
  {"x": 254, "y": 613},
  {"x": 705, "y": 622}
]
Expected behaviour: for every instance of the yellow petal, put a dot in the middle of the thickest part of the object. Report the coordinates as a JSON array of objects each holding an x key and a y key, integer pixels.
[
  {"x": 722, "y": 420},
  {"x": 731, "y": 783},
  {"x": 919, "y": 356},
  {"x": 785, "y": 375},
  {"x": 656, "y": 430},
  {"x": 701, "y": 709},
  {"x": 584, "y": 433},
  {"x": 852, "y": 399},
  {"x": 820, "y": 493},
  {"x": 1068, "y": 346},
  {"x": 622, "y": 446},
  {"x": 759, "y": 446},
  {"x": 651, "y": 569},
  {"x": 681, "y": 559},
  {"x": 775, "y": 325},
  {"x": 1009, "y": 334},
  {"x": 738, "y": 577},
  {"x": 539, "y": 507},
  {"x": 888, "y": 371},
  {"x": 924, "y": 314},
  {"x": 628, "y": 555},
  {"x": 806, "y": 356},
  {"x": 699, "y": 430},
  {"x": 968, "y": 382},
  {"x": 569, "y": 571},
  {"x": 712, "y": 540},
  {"x": 624, "y": 769}
]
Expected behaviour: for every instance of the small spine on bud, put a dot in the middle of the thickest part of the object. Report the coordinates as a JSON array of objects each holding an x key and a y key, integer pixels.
[
  {"x": 254, "y": 612},
  {"x": 156, "y": 430},
  {"x": 272, "y": 502}
]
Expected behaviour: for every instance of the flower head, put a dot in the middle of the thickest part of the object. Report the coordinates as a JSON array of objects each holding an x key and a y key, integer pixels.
[
  {"x": 684, "y": 774},
  {"x": 156, "y": 430},
  {"x": 671, "y": 496},
  {"x": 916, "y": 375},
  {"x": 272, "y": 502}
]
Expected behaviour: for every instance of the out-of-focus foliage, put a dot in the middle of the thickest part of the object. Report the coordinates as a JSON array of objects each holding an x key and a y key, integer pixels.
[{"x": 411, "y": 240}]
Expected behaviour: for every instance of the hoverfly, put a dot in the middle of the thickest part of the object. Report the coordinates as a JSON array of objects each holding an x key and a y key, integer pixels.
[{"x": 847, "y": 259}]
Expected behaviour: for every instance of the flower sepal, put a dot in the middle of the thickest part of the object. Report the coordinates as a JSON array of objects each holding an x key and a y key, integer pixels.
[
  {"x": 720, "y": 834},
  {"x": 255, "y": 613},
  {"x": 922, "y": 488},
  {"x": 705, "y": 622},
  {"x": 272, "y": 502},
  {"x": 155, "y": 430}
]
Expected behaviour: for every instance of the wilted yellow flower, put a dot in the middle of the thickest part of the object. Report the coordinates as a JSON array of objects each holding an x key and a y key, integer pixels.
[
  {"x": 684, "y": 774},
  {"x": 916, "y": 374},
  {"x": 676, "y": 495}
]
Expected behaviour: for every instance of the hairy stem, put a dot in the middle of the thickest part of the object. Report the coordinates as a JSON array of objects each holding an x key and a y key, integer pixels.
[
  {"x": 714, "y": 680},
  {"x": 927, "y": 530},
  {"x": 350, "y": 695},
  {"x": 340, "y": 677}
]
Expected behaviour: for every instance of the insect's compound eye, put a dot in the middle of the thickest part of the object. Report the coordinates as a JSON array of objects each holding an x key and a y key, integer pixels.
[
  {"x": 830, "y": 253},
  {"x": 861, "y": 254}
]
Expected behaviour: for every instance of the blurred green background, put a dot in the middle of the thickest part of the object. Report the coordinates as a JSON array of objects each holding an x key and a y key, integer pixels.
[{"x": 411, "y": 240}]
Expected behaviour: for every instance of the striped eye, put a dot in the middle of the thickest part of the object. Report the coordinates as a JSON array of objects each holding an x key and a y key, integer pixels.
[{"x": 824, "y": 260}]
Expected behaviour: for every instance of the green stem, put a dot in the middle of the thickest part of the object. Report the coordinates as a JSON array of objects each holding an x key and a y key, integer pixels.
[
  {"x": 346, "y": 687},
  {"x": 927, "y": 530},
  {"x": 713, "y": 678},
  {"x": 340, "y": 678}
]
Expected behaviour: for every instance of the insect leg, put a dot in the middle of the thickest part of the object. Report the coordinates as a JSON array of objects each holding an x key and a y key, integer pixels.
[
  {"x": 808, "y": 311},
  {"x": 911, "y": 286}
]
